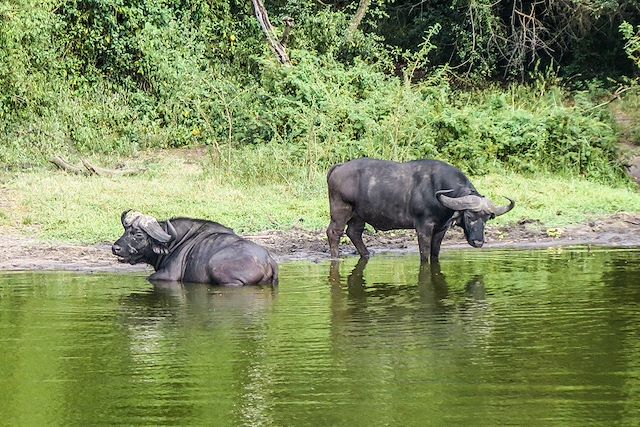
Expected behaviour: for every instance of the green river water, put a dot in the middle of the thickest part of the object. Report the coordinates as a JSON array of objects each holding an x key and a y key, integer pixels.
[{"x": 539, "y": 337}]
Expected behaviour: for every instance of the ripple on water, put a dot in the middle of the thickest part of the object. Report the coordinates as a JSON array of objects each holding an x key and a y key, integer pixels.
[{"x": 489, "y": 338}]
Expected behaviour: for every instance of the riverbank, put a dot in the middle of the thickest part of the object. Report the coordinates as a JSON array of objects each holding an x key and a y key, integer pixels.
[
  {"x": 56, "y": 206},
  {"x": 22, "y": 253},
  {"x": 53, "y": 220}
]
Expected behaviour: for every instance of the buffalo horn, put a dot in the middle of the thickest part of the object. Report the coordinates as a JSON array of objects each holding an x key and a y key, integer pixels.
[
  {"x": 123, "y": 218},
  {"x": 501, "y": 210},
  {"x": 151, "y": 226},
  {"x": 147, "y": 223},
  {"x": 171, "y": 230},
  {"x": 470, "y": 202}
]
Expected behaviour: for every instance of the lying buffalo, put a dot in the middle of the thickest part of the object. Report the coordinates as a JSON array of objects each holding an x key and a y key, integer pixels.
[
  {"x": 193, "y": 250},
  {"x": 426, "y": 195}
]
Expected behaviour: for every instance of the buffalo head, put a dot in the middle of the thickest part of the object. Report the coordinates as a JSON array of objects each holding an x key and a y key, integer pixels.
[
  {"x": 471, "y": 213},
  {"x": 142, "y": 239}
]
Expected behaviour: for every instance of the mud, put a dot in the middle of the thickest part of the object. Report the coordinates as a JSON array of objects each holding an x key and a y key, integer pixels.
[{"x": 20, "y": 253}]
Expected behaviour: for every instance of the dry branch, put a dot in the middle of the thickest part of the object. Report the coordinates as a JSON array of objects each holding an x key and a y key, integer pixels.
[
  {"x": 267, "y": 28},
  {"x": 614, "y": 96},
  {"x": 89, "y": 169},
  {"x": 95, "y": 170},
  {"x": 62, "y": 164}
]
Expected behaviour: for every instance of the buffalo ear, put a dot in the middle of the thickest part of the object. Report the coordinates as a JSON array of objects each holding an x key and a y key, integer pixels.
[
  {"x": 160, "y": 249},
  {"x": 456, "y": 219}
]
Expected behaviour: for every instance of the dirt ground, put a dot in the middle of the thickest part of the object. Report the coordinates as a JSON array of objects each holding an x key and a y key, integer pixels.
[{"x": 21, "y": 253}]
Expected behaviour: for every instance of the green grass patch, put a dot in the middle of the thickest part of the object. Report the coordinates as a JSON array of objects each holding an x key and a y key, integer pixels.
[{"x": 276, "y": 196}]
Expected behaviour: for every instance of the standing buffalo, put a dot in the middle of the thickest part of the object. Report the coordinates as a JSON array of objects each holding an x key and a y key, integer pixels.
[
  {"x": 193, "y": 250},
  {"x": 426, "y": 195}
]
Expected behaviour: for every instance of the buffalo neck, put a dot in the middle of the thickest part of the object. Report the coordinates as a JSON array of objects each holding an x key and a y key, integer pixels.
[{"x": 185, "y": 232}]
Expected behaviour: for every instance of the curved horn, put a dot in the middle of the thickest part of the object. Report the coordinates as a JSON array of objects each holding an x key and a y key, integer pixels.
[
  {"x": 151, "y": 226},
  {"x": 439, "y": 192},
  {"x": 471, "y": 202},
  {"x": 501, "y": 210},
  {"x": 171, "y": 230},
  {"x": 123, "y": 216},
  {"x": 128, "y": 217}
]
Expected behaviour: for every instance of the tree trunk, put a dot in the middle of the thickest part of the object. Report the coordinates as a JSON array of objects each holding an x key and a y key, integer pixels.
[
  {"x": 267, "y": 28},
  {"x": 357, "y": 18}
]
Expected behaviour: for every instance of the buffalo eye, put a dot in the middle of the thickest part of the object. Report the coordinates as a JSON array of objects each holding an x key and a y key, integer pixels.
[{"x": 137, "y": 234}]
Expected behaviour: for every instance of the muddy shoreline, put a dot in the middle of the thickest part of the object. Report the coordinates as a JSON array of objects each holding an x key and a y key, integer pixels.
[{"x": 22, "y": 253}]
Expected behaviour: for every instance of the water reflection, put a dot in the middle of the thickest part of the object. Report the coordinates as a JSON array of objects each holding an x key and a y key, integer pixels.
[
  {"x": 398, "y": 327},
  {"x": 490, "y": 338},
  {"x": 199, "y": 337},
  {"x": 172, "y": 300},
  {"x": 432, "y": 287},
  {"x": 430, "y": 312}
]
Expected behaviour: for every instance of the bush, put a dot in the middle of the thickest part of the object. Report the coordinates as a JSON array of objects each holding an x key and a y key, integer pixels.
[{"x": 114, "y": 77}]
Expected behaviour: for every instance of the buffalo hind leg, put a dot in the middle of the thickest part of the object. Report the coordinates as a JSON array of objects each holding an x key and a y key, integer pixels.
[
  {"x": 334, "y": 232},
  {"x": 340, "y": 214},
  {"x": 355, "y": 228}
]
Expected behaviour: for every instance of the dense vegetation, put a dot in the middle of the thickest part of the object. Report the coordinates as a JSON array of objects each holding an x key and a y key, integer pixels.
[{"x": 485, "y": 85}]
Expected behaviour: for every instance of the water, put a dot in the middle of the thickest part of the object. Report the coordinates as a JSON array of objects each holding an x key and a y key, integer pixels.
[{"x": 495, "y": 338}]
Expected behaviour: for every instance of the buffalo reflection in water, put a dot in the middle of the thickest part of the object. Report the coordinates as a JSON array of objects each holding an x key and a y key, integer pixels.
[
  {"x": 154, "y": 317},
  {"x": 432, "y": 287},
  {"x": 432, "y": 314},
  {"x": 180, "y": 329},
  {"x": 177, "y": 300}
]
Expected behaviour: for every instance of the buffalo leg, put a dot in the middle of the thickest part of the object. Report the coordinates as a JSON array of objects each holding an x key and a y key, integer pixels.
[
  {"x": 424, "y": 233},
  {"x": 355, "y": 228},
  {"x": 334, "y": 232},
  {"x": 436, "y": 242},
  {"x": 340, "y": 213}
]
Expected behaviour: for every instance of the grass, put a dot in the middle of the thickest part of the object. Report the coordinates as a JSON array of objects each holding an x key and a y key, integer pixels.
[{"x": 54, "y": 205}]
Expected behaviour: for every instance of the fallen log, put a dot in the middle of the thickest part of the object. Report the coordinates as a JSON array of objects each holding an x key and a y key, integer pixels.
[
  {"x": 88, "y": 168},
  {"x": 62, "y": 164},
  {"x": 95, "y": 170}
]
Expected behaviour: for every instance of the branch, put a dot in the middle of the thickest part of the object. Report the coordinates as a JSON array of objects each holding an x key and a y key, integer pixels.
[
  {"x": 95, "y": 170},
  {"x": 268, "y": 30},
  {"x": 616, "y": 95},
  {"x": 90, "y": 169},
  {"x": 62, "y": 164},
  {"x": 357, "y": 18}
]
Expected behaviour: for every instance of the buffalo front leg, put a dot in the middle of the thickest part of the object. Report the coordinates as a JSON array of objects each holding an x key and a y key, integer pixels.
[
  {"x": 436, "y": 242},
  {"x": 355, "y": 228},
  {"x": 424, "y": 233}
]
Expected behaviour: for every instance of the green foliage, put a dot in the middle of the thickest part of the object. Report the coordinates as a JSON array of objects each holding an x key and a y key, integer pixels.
[
  {"x": 484, "y": 39},
  {"x": 327, "y": 113},
  {"x": 112, "y": 78},
  {"x": 26, "y": 61},
  {"x": 121, "y": 39},
  {"x": 632, "y": 45}
]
